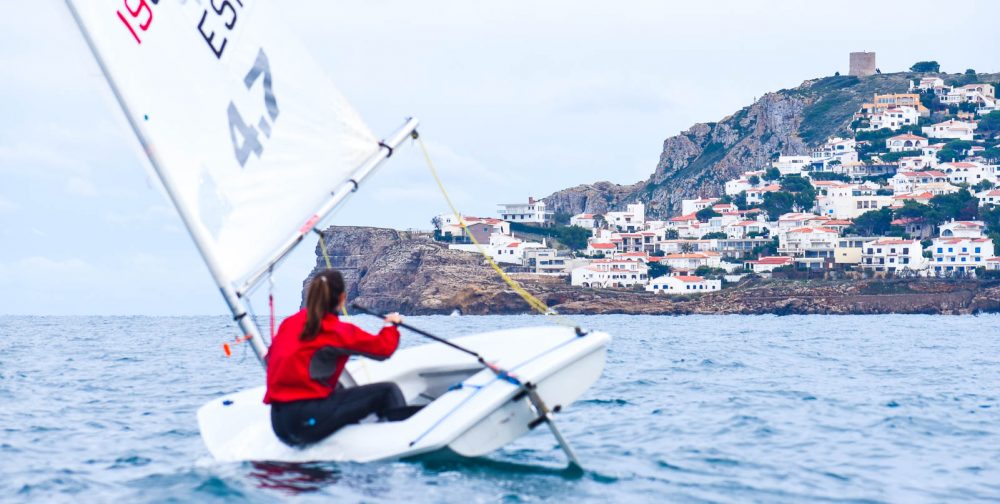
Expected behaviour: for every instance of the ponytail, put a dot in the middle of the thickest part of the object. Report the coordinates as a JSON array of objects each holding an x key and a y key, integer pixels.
[{"x": 322, "y": 298}]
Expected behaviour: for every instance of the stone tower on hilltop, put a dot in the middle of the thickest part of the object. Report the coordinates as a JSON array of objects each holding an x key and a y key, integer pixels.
[{"x": 862, "y": 64}]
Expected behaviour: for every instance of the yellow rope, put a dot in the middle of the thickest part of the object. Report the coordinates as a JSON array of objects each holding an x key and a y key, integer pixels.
[
  {"x": 535, "y": 303},
  {"x": 329, "y": 265}
]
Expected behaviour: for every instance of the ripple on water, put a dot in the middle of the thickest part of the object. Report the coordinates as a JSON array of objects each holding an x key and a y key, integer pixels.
[{"x": 695, "y": 408}]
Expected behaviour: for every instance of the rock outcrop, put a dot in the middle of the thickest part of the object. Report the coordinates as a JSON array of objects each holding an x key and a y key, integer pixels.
[
  {"x": 408, "y": 272},
  {"x": 697, "y": 162}
]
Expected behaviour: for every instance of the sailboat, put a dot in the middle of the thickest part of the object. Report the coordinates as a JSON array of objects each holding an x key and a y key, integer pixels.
[{"x": 254, "y": 147}]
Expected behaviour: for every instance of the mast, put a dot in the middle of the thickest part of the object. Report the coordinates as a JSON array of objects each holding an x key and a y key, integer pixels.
[{"x": 337, "y": 196}]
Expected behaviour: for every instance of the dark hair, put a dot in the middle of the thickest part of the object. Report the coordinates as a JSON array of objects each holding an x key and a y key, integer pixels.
[{"x": 322, "y": 298}]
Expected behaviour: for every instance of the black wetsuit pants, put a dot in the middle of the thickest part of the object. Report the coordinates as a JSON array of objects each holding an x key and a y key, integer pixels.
[{"x": 300, "y": 423}]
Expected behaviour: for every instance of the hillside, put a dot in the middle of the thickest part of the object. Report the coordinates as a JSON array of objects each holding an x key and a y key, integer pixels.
[
  {"x": 390, "y": 270},
  {"x": 699, "y": 160}
]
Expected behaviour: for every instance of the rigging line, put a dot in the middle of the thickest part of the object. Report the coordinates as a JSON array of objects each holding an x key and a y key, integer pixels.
[
  {"x": 535, "y": 303},
  {"x": 329, "y": 264}
]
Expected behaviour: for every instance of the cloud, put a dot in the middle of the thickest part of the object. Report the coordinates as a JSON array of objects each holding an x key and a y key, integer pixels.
[
  {"x": 152, "y": 213},
  {"x": 7, "y": 206},
  {"x": 79, "y": 186},
  {"x": 47, "y": 272}
]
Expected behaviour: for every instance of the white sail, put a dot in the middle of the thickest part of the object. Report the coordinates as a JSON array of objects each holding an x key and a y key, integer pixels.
[{"x": 248, "y": 134}]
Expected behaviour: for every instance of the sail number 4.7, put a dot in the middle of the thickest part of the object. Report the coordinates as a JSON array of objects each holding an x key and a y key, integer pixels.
[{"x": 246, "y": 137}]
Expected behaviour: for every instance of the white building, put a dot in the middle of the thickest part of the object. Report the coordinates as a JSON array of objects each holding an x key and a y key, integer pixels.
[
  {"x": 600, "y": 248},
  {"x": 905, "y": 142},
  {"x": 544, "y": 261},
  {"x": 689, "y": 261},
  {"x": 989, "y": 197},
  {"x": 607, "y": 273},
  {"x": 629, "y": 221},
  {"x": 755, "y": 196},
  {"x": 502, "y": 248},
  {"x": 584, "y": 220},
  {"x": 960, "y": 254},
  {"x": 967, "y": 172},
  {"x": 951, "y": 129},
  {"x": 916, "y": 163},
  {"x": 532, "y": 212},
  {"x": 848, "y": 203},
  {"x": 736, "y": 186},
  {"x": 690, "y": 206},
  {"x": 893, "y": 118},
  {"x": 808, "y": 242},
  {"x": 837, "y": 149},
  {"x": 481, "y": 228},
  {"x": 746, "y": 228},
  {"x": 768, "y": 264},
  {"x": 907, "y": 181},
  {"x": 962, "y": 229},
  {"x": 971, "y": 93},
  {"x": 893, "y": 256},
  {"x": 929, "y": 84},
  {"x": 789, "y": 165},
  {"x": 683, "y": 284}
]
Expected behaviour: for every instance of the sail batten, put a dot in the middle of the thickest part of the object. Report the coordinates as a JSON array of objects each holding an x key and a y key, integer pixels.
[{"x": 247, "y": 133}]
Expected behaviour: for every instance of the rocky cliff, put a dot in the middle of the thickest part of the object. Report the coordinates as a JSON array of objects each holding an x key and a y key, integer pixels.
[
  {"x": 697, "y": 162},
  {"x": 408, "y": 272}
]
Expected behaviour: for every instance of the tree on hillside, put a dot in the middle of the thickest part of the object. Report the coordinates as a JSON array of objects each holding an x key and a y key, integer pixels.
[
  {"x": 946, "y": 155},
  {"x": 926, "y": 66},
  {"x": 873, "y": 222},
  {"x": 740, "y": 200},
  {"x": 969, "y": 71},
  {"x": 990, "y": 215},
  {"x": 914, "y": 210},
  {"x": 574, "y": 237},
  {"x": 930, "y": 100},
  {"x": 989, "y": 124},
  {"x": 805, "y": 194},
  {"x": 795, "y": 183},
  {"x": 777, "y": 203},
  {"x": 706, "y": 213},
  {"x": 829, "y": 176},
  {"x": 718, "y": 235},
  {"x": 772, "y": 174},
  {"x": 657, "y": 270},
  {"x": 753, "y": 180},
  {"x": 961, "y": 205},
  {"x": 983, "y": 185},
  {"x": 671, "y": 234},
  {"x": 992, "y": 154}
]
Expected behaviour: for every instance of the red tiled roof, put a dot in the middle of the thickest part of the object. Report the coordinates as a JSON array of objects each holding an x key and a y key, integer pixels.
[
  {"x": 907, "y": 136},
  {"x": 773, "y": 260},
  {"x": 813, "y": 230},
  {"x": 689, "y": 279}
]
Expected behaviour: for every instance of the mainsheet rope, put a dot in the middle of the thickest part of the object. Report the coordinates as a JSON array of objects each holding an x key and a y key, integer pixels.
[{"x": 535, "y": 303}]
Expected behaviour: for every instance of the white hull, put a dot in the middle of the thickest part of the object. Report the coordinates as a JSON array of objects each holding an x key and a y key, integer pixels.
[{"x": 481, "y": 415}]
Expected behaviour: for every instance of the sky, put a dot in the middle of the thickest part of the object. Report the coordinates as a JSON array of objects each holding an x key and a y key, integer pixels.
[{"x": 515, "y": 100}]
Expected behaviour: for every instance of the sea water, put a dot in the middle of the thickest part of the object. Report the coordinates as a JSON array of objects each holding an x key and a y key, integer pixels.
[{"x": 694, "y": 408}]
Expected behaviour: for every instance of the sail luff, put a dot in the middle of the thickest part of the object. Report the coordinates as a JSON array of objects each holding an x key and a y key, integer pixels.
[
  {"x": 193, "y": 225},
  {"x": 337, "y": 197}
]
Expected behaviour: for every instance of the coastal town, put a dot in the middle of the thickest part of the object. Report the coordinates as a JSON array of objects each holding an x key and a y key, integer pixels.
[{"x": 912, "y": 192}]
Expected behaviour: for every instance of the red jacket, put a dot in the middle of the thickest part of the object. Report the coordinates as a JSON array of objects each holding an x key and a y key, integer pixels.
[{"x": 299, "y": 370}]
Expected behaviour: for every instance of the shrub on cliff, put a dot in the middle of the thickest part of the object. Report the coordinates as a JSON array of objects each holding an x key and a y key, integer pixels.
[
  {"x": 873, "y": 222},
  {"x": 926, "y": 66},
  {"x": 574, "y": 237},
  {"x": 989, "y": 124},
  {"x": 705, "y": 214}
]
